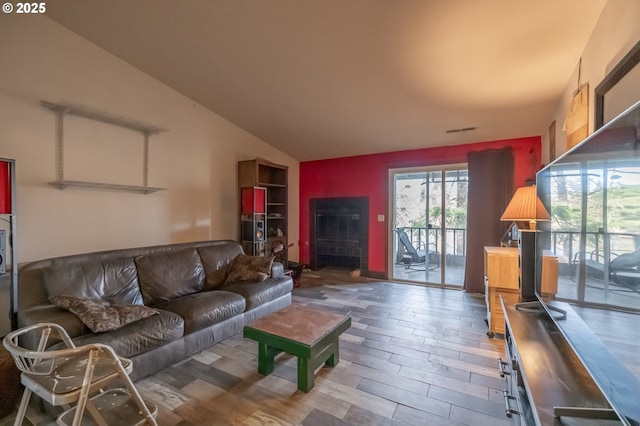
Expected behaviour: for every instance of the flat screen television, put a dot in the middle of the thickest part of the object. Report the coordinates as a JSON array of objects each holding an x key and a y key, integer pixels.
[{"x": 592, "y": 193}]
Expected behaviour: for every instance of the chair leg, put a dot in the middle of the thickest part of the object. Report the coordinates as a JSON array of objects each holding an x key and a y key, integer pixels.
[
  {"x": 142, "y": 406},
  {"x": 84, "y": 391},
  {"x": 136, "y": 395},
  {"x": 22, "y": 408}
]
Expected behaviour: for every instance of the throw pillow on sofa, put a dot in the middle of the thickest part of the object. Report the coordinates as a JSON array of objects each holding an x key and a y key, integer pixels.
[
  {"x": 249, "y": 268},
  {"x": 101, "y": 316}
]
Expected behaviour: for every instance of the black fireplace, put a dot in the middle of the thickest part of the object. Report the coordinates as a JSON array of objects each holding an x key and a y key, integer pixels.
[{"x": 340, "y": 232}]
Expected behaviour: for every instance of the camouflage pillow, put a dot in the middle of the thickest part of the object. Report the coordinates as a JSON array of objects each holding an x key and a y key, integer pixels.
[
  {"x": 249, "y": 268},
  {"x": 101, "y": 316}
]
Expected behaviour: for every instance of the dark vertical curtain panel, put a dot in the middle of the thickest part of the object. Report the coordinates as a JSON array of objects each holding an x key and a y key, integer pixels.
[{"x": 490, "y": 189}]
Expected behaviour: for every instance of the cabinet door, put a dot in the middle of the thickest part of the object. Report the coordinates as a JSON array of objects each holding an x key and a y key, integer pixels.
[{"x": 502, "y": 268}]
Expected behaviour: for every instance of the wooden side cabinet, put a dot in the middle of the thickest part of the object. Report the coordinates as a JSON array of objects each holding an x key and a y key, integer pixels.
[{"x": 501, "y": 275}]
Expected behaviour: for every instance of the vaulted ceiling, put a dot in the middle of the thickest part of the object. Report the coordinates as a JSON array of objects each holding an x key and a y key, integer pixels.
[{"x": 333, "y": 78}]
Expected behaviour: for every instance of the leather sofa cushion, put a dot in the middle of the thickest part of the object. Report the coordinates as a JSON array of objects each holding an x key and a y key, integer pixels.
[
  {"x": 140, "y": 336},
  {"x": 265, "y": 291},
  {"x": 169, "y": 275},
  {"x": 217, "y": 261},
  {"x": 203, "y": 309},
  {"x": 113, "y": 280}
]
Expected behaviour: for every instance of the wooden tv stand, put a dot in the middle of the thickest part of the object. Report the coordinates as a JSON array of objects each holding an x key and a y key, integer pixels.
[{"x": 546, "y": 383}]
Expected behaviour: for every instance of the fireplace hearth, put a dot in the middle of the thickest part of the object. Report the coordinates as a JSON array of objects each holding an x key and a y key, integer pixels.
[{"x": 340, "y": 233}]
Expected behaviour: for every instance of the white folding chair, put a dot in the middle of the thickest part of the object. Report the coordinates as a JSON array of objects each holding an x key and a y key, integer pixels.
[{"x": 77, "y": 375}]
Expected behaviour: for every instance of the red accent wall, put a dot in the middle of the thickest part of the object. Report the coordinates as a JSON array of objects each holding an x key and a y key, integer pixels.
[
  {"x": 5, "y": 188},
  {"x": 367, "y": 176}
]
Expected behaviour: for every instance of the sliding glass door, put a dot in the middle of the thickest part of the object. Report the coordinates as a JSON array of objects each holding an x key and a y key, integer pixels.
[{"x": 428, "y": 207}]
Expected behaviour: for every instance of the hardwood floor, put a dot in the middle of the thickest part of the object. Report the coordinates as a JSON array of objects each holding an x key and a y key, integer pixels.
[{"x": 413, "y": 356}]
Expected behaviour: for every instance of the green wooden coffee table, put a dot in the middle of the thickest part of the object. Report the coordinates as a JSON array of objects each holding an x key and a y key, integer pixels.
[{"x": 309, "y": 334}]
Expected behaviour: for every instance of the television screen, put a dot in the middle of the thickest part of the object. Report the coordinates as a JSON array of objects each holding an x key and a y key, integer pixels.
[{"x": 588, "y": 254}]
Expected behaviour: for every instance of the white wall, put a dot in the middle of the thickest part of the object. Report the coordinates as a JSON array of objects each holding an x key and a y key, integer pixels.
[
  {"x": 195, "y": 160},
  {"x": 616, "y": 32}
]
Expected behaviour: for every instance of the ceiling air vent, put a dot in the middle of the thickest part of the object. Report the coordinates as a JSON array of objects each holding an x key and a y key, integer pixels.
[{"x": 464, "y": 129}]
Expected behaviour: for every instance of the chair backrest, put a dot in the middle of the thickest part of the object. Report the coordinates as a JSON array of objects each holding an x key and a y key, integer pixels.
[
  {"x": 625, "y": 261},
  {"x": 404, "y": 239},
  {"x": 39, "y": 361}
]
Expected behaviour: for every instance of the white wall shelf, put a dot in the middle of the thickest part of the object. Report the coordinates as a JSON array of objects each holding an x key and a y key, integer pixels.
[
  {"x": 147, "y": 130},
  {"x": 63, "y": 184}
]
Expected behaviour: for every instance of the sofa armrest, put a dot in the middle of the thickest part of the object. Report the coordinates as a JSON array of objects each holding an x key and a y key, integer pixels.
[{"x": 277, "y": 270}]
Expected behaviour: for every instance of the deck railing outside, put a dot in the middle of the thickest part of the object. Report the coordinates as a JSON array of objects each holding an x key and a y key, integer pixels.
[
  {"x": 430, "y": 239},
  {"x": 564, "y": 244},
  {"x": 601, "y": 247}
]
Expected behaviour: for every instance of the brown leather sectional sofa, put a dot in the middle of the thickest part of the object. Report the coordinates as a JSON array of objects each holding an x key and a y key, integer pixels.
[{"x": 184, "y": 282}]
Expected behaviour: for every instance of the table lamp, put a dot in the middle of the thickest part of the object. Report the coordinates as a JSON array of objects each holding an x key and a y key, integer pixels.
[{"x": 525, "y": 206}]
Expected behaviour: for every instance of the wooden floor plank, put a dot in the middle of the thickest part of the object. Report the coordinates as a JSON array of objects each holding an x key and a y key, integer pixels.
[
  {"x": 321, "y": 418},
  {"x": 415, "y": 417},
  {"x": 261, "y": 418},
  {"x": 462, "y": 365},
  {"x": 404, "y": 382},
  {"x": 481, "y": 405},
  {"x": 363, "y": 399},
  {"x": 462, "y": 386},
  {"x": 360, "y": 417},
  {"x": 471, "y": 417},
  {"x": 432, "y": 367},
  {"x": 403, "y": 397},
  {"x": 161, "y": 393}
]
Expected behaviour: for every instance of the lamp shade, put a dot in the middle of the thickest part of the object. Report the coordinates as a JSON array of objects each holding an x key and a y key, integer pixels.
[{"x": 525, "y": 206}]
